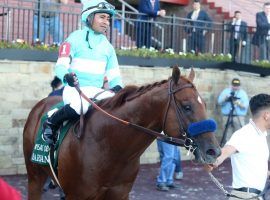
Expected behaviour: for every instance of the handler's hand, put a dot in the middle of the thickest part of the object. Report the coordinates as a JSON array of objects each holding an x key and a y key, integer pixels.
[{"x": 208, "y": 167}]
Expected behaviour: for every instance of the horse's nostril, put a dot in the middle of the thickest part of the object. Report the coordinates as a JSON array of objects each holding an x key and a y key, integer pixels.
[
  {"x": 215, "y": 152},
  {"x": 211, "y": 152}
]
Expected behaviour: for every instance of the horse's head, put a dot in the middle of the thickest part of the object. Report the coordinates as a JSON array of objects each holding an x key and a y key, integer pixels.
[{"x": 185, "y": 117}]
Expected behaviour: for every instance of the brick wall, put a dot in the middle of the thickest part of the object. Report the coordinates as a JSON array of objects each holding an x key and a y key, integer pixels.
[{"x": 25, "y": 83}]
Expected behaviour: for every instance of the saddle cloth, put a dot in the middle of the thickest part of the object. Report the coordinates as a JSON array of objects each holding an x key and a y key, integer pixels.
[{"x": 40, "y": 154}]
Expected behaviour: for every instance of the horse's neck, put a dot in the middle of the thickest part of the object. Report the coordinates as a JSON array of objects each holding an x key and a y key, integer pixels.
[
  {"x": 126, "y": 141},
  {"x": 146, "y": 111}
]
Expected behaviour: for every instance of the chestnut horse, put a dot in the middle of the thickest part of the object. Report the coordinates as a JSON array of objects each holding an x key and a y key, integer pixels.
[{"x": 104, "y": 162}]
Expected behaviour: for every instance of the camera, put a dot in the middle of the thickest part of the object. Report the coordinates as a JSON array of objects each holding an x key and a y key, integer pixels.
[{"x": 232, "y": 97}]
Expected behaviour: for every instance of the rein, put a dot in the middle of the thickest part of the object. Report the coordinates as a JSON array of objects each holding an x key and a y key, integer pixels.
[{"x": 188, "y": 143}]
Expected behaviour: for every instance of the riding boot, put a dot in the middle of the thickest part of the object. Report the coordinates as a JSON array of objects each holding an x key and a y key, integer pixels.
[{"x": 52, "y": 124}]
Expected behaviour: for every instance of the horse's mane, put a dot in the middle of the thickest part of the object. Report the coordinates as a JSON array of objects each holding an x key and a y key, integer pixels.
[
  {"x": 127, "y": 94},
  {"x": 131, "y": 92}
]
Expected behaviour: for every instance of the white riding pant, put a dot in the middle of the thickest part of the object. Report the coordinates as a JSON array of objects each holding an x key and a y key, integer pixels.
[{"x": 72, "y": 97}]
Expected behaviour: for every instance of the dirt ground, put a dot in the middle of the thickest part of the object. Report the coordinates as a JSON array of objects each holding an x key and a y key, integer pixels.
[{"x": 196, "y": 184}]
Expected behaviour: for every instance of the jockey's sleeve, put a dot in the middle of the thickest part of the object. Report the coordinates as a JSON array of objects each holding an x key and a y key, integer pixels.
[
  {"x": 64, "y": 59},
  {"x": 113, "y": 71}
]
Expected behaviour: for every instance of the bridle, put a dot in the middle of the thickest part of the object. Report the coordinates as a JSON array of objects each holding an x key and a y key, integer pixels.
[
  {"x": 179, "y": 113},
  {"x": 187, "y": 142},
  {"x": 178, "y": 110}
]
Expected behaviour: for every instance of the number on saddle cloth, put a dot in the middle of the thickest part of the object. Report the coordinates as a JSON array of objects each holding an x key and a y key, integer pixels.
[{"x": 41, "y": 149}]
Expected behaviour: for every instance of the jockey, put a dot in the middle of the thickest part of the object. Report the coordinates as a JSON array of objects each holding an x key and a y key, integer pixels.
[{"x": 85, "y": 57}]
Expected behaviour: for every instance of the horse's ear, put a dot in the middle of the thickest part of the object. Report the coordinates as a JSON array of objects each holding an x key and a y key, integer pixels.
[
  {"x": 191, "y": 75},
  {"x": 176, "y": 74}
]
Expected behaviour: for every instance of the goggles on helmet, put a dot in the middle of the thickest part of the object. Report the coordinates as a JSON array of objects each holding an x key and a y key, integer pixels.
[{"x": 101, "y": 6}]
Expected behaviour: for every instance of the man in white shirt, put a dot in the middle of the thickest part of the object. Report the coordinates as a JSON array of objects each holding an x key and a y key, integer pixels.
[{"x": 249, "y": 151}]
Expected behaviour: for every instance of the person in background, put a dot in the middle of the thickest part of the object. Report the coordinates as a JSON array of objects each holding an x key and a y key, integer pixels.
[
  {"x": 233, "y": 99},
  {"x": 47, "y": 20},
  {"x": 178, "y": 167},
  {"x": 57, "y": 87},
  {"x": 168, "y": 161},
  {"x": 261, "y": 37},
  {"x": 150, "y": 9},
  {"x": 196, "y": 28},
  {"x": 84, "y": 59},
  {"x": 249, "y": 152},
  {"x": 238, "y": 39}
]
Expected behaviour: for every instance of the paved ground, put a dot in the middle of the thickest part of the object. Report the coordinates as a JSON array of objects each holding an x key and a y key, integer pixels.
[{"x": 196, "y": 184}]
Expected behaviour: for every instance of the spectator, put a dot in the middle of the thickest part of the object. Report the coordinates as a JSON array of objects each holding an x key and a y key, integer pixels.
[
  {"x": 249, "y": 151},
  {"x": 198, "y": 21},
  {"x": 7, "y": 192},
  {"x": 88, "y": 53},
  {"x": 233, "y": 99},
  {"x": 261, "y": 37},
  {"x": 238, "y": 38},
  {"x": 168, "y": 153},
  {"x": 49, "y": 21},
  {"x": 150, "y": 10},
  {"x": 118, "y": 26},
  {"x": 57, "y": 87}
]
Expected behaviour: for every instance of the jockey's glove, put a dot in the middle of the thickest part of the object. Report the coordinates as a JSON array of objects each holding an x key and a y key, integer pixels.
[
  {"x": 71, "y": 79},
  {"x": 116, "y": 88}
]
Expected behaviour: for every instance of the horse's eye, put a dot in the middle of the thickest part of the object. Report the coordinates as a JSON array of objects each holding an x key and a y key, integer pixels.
[{"x": 187, "y": 108}]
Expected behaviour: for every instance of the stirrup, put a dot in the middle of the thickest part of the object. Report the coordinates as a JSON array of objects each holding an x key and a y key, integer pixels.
[{"x": 48, "y": 133}]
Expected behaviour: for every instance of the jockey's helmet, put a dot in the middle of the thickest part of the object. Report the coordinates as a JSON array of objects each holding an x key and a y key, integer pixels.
[{"x": 96, "y": 6}]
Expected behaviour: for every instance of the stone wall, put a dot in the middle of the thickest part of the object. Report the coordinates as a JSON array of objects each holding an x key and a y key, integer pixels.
[{"x": 25, "y": 83}]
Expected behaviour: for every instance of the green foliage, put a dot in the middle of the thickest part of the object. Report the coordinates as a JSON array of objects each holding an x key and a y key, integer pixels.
[
  {"x": 142, "y": 52},
  {"x": 169, "y": 53},
  {"x": 20, "y": 44},
  {"x": 261, "y": 63}
]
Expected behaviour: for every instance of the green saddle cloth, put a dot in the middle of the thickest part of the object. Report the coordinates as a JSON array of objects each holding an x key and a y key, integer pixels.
[{"x": 40, "y": 154}]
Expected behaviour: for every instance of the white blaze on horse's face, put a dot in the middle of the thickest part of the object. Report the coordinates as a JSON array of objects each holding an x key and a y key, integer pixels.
[{"x": 199, "y": 99}]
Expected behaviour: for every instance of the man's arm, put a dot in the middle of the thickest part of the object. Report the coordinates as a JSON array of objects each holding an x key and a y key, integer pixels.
[
  {"x": 243, "y": 102},
  {"x": 207, "y": 19},
  {"x": 245, "y": 30},
  {"x": 223, "y": 97},
  {"x": 226, "y": 152}
]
